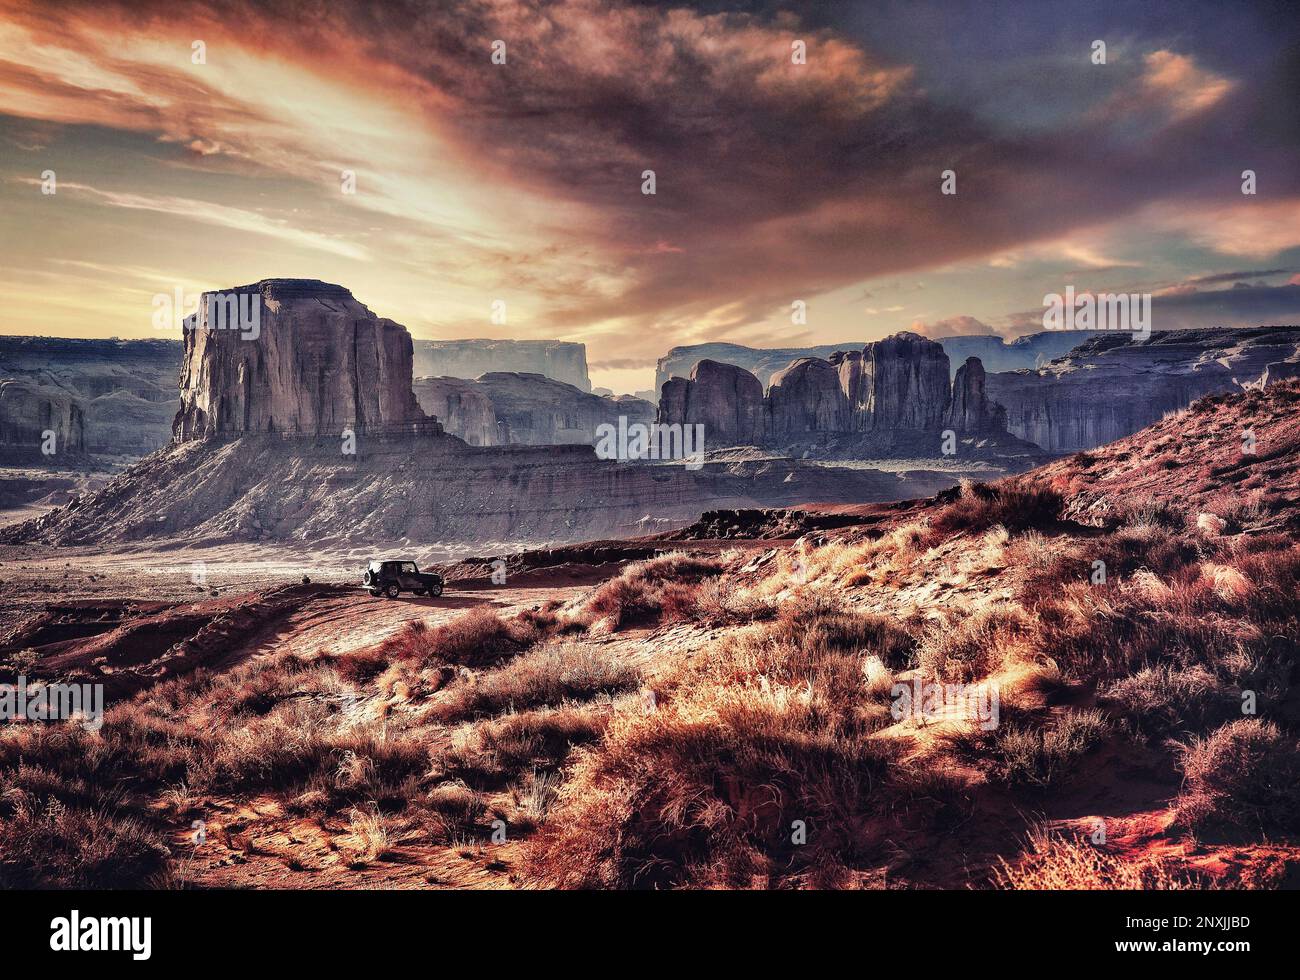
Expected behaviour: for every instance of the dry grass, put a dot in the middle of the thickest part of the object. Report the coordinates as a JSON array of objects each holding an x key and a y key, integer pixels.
[
  {"x": 1056, "y": 863},
  {"x": 980, "y": 506},
  {"x": 1242, "y": 777},
  {"x": 771, "y": 726},
  {"x": 548, "y": 675}
]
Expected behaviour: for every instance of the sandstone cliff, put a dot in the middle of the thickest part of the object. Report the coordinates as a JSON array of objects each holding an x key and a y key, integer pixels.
[
  {"x": 28, "y": 411},
  {"x": 805, "y": 399},
  {"x": 890, "y": 388},
  {"x": 532, "y": 410},
  {"x": 996, "y": 354},
  {"x": 727, "y": 400},
  {"x": 557, "y": 359},
  {"x": 1112, "y": 386},
  {"x": 318, "y": 362},
  {"x": 126, "y": 388},
  {"x": 462, "y": 406},
  {"x": 970, "y": 410},
  {"x": 909, "y": 382}
]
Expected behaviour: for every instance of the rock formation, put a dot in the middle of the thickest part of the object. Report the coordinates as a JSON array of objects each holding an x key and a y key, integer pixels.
[
  {"x": 996, "y": 354},
  {"x": 805, "y": 399},
  {"x": 970, "y": 410},
  {"x": 318, "y": 362},
  {"x": 727, "y": 400},
  {"x": 126, "y": 388},
  {"x": 532, "y": 410},
  {"x": 680, "y": 362},
  {"x": 34, "y": 416},
  {"x": 908, "y": 382},
  {"x": 463, "y": 407},
  {"x": 122, "y": 424},
  {"x": 891, "y": 387},
  {"x": 1112, "y": 386},
  {"x": 557, "y": 359}
]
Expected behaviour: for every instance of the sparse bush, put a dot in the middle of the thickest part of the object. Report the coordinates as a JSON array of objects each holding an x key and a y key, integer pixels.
[
  {"x": 982, "y": 505},
  {"x": 1021, "y": 755},
  {"x": 979, "y": 645},
  {"x": 1167, "y": 699},
  {"x": 549, "y": 674},
  {"x": 1243, "y": 777}
]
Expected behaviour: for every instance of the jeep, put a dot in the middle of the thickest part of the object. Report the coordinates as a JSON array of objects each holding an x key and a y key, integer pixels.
[{"x": 391, "y": 578}]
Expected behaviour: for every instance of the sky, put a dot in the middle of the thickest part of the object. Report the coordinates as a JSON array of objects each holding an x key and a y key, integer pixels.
[{"x": 205, "y": 145}]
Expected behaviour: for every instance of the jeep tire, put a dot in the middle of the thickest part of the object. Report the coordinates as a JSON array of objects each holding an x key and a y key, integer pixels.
[{"x": 391, "y": 590}]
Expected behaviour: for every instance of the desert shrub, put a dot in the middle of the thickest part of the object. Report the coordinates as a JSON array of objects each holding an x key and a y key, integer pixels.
[
  {"x": 1243, "y": 777},
  {"x": 361, "y": 666},
  {"x": 1052, "y": 862},
  {"x": 492, "y": 751},
  {"x": 982, "y": 505},
  {"x": 478, "y": 636},
  {"x": 1166, "y": 699},
  {"x": 549, "y": 674},
  {"x": 979, "y": 645},
  {"x": 676, "y": 566},
  {"x": 620, "y": 600},
  {"x": 45, "y": 844},
  {"x": 678, "y": 587},
  {"x": 1042, "y": 756},
  {"x": 1148, "y": 511},
  {"x": 768, "y": 726}
]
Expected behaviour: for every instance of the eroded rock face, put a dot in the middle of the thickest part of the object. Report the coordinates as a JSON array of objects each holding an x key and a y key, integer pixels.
[
  {"x": 560, "y": 360},
  {"x": 909, "y": 382},
  {"x": 532, "y": 410},
  {"x": 996, "y": 354},
  {"x": 33, "y": 416},
  {"x": 896, "y": 385},
  {"x": 127, "y": 388},
  {"x": 462, "y": 406},
  {"x": 806, "y": 399},
  {"x": 970, "y": 410},
  {"x": 318, "y": 362},
  {"x": 121, "y": 424},
  {"x": 1113, "y": 386},
  {"x": 727, "y": 400}
]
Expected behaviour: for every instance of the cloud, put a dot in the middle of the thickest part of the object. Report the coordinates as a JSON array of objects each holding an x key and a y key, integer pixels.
[
  {"x": 1252, "y": 228},
  {"x": 953, "y": 326},
  {"x": 205, "y": 212},
  {"x": 1189, "y": 308},
  {"x": 775, "y": 181}
]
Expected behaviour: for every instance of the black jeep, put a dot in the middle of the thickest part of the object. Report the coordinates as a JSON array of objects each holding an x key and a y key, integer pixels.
[{"x": 391, "y": 578}]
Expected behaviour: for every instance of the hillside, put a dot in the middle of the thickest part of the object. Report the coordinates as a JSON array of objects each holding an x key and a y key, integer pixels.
[{"x": 726, "y": 707}]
